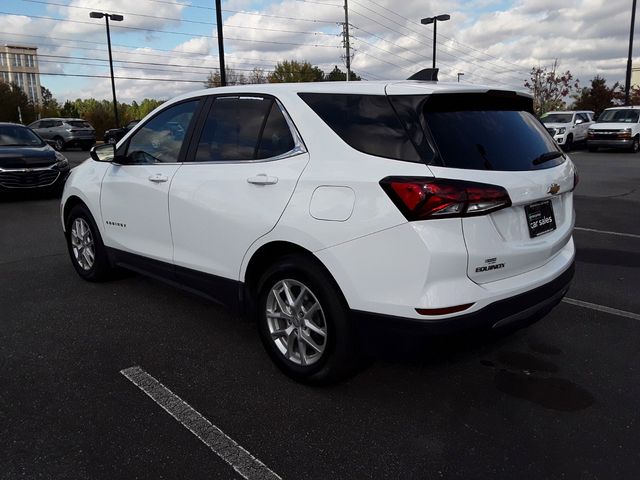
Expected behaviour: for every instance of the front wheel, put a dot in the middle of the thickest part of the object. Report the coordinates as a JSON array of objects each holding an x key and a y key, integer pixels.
[
  {"x": 635, "y": 146},
  {"x": 87, "y": 252},
  {"x": 304, "y": 322},
  {"x": 568, "y": 144}
]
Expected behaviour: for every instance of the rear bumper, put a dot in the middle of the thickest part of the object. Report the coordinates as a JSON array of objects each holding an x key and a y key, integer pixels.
[{"x": 517, "y": 311}]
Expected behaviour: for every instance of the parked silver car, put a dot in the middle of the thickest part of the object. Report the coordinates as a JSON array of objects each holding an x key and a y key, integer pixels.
[{"x": 65, "y": 132}]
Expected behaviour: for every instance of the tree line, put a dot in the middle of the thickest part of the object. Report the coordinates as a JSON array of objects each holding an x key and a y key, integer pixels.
[{"x": 551, "y": 88}]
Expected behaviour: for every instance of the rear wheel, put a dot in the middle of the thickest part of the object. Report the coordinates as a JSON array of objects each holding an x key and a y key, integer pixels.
[
  {"x": 304, "y": 323},
  {"x": 111, "y": 140},
  {"x": 58, "y": 143},
  {"x": 87, "y": 252}
]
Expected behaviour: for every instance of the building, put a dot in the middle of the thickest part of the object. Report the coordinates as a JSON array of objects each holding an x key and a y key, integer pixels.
[
  {"x": 635, "y": 77},
  {"x": 19, "y": 65}
]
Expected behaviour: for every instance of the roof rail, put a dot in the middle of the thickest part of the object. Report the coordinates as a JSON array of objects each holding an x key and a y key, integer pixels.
[{"x": 429, "y": 74}]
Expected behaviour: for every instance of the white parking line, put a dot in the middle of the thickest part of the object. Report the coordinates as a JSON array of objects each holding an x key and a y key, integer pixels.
[
  {"x": 226, "y": 448},
  {"x": 602, "y": 308},
  {"x": 606, "y": 232}
]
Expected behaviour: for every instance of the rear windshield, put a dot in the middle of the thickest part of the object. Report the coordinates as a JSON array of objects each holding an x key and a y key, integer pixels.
[
  {"x": 78, "y": 123},
  {"x": 491, "y": 140},
  {"x": 557, "y": 118},
  {"x": 618, "y": 116}
]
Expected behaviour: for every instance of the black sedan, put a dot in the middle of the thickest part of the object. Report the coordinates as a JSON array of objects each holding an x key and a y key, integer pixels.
[
  {"x": 115, "y": 134},
  {"x": 28, "y": 163}
]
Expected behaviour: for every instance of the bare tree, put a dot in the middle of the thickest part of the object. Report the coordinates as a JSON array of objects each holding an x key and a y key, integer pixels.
[
  {"x": 550, "y": 88},
  {"x": 233, "y": 78}
]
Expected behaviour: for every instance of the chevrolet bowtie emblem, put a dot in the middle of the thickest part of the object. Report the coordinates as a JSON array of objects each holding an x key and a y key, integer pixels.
[{"x": 553, "y": 188}]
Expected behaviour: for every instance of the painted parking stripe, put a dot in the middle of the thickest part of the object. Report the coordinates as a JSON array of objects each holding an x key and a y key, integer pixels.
[
  {"x": 606, "y": 232},
  {"x": 222, "y": 445},
  {"x": 602, "y": 308}
]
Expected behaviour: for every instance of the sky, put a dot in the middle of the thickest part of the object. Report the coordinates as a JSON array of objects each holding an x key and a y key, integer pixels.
[{"x": 167, "y": 47}]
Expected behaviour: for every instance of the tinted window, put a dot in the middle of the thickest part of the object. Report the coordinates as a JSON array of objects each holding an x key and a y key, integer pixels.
[
  {"x": 79, "y": 123},
  {"x": 161, "y": 138},
  {"x": 583, "y": 117},
  {"x": 56, "y": 123},
  {"x": 276, "y": 136},
  {"x": 491, "y": 140},
  {"x": 35, "y": 125},
  {"x": 366, "y": 122},
  {"x": 232, "y": 129},
  {"x": 45, "y": 124}
]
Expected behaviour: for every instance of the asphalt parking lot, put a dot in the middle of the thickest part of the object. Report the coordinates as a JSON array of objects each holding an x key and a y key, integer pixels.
[{"x": 556, "y": 400}]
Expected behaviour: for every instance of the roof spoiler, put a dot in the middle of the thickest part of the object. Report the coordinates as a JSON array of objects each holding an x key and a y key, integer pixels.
[{"x": 428, "y": 74}]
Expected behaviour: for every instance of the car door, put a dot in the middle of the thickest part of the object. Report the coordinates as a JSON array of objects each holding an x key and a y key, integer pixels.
[
  {"x": 42, "y": 128},
  {"x": 134, "y": 196},
  {"x": 582, "y": 127},
  {"x": 242, "y": 172}
]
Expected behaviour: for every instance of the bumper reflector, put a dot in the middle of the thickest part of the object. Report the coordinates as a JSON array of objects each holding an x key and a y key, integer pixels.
[{"x": 443, "y": 311}]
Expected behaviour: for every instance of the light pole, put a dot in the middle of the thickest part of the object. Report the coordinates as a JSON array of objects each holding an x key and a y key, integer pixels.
[
  {"x": 115, "y": 18},
  {"x": 459, "y": 75},
  {"x": 627, "y": 83},
  {"x": 435, "y": 20},
  {"x": 223, "y": 70}
]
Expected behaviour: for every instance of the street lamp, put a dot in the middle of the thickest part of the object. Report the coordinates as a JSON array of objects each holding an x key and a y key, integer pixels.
[
  {"x": 435, "y": 20},
  {"x": 116, "y": 18},
  {"x": 459, "y": 75}
]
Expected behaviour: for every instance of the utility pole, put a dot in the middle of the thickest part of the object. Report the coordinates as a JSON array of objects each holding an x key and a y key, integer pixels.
[
  {"x": 627, "y": 83},
  {"x": 223, "y": 72},
  {"x": 345, "y": 33}
]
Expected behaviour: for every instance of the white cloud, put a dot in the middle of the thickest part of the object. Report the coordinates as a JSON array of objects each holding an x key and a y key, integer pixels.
[{"x": 489, "y": 45}]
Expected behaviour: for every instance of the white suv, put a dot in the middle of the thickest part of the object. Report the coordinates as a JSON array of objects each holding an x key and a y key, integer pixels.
[
  {"x": 325, "y": 209},
  {"x": 617, "y": 127},
  {"x": 568, "y": 127}
]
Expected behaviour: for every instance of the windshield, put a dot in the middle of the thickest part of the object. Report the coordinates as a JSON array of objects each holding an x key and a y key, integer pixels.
[
  {"x": 618, "y": 116},
  {"x": 492, "y": 140},
  {"x": 557, "y": 118},
  {"x": 78, "y": 123},
  {"x": 18, "y": 136}
]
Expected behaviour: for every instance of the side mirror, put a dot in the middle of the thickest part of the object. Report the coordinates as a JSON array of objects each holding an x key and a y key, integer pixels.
[
  {"x": 103, "y": 153},
  {"x": 579, "y": 121}
]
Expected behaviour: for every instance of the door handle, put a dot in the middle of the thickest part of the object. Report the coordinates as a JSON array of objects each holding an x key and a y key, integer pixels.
[
  {"x": 158, "y": 178},
  {"x": 262, "y": 179}
]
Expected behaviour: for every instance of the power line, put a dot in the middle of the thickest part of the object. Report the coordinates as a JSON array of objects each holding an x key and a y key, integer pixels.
[
  {"x": 185, "y": 20},
  {"x": 171, "y": 32},
  {"x": 134, "y": 52},
  {"x": 439, "y": 35},
  {"x": 146, "y": 79}
]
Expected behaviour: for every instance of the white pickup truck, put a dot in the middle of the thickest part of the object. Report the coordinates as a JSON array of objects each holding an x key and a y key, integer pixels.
[{"x": 568, "y": 127}]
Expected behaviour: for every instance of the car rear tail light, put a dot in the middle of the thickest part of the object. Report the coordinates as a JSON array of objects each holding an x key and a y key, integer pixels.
[{"x": 421, "y": 198}]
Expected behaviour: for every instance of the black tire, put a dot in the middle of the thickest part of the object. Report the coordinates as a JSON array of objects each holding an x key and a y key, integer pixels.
[
  {"x": 591, "y": 148},
  {"x": 340, "y": 357},
  {"x": 568, "y": 144},
  {"x": 635, "y": 146},
  {"x": 59, "y": 143},
  {"x": 101, "y": 269}
]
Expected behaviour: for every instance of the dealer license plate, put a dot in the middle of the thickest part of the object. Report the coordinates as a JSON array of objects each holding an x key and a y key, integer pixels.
[{"x": 540, "y": 219}]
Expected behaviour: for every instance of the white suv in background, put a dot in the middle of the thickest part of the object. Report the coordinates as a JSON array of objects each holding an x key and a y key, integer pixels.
[
  {"x": 325, "y": 209},
  {"x": 568, "y": 127},
  {"x": 617, "y": 127}
]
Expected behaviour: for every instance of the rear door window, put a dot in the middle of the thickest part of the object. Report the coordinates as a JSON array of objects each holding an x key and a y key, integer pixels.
[
  {"x": 79, "y": 123},
  {"x": 244, "y": 128}
]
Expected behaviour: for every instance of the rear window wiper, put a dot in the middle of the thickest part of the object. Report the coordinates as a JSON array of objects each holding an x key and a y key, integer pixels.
[{"x": 545, "y": 157}]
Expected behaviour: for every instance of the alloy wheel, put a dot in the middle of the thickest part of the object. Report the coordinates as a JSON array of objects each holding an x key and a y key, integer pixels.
[
  {"x": 82, "y": 244},
  {"x": 296, "y": 322},
  {"x": 59, "y": 144}
]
